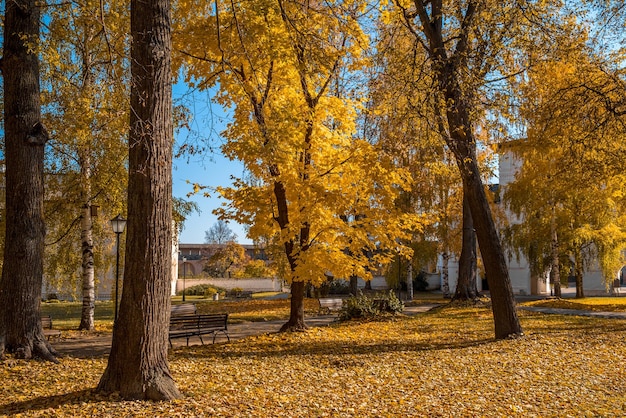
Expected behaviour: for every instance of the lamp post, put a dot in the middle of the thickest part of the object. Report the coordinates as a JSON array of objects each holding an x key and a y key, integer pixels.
[
  {"x": 118, "y": 224},
  {"x": 184, "y": 276}
]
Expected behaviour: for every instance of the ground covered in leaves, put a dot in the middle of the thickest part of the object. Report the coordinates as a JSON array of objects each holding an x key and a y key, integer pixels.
[{"x": 444, "y": 363}]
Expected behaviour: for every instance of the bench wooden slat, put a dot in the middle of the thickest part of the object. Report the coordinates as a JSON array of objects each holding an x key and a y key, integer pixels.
[
  {"x": 187, "y": 326},
  {"x": 46, "y": 324},
  {"x": 183, "y": 309},
  {"x": 330, "y": 304}
]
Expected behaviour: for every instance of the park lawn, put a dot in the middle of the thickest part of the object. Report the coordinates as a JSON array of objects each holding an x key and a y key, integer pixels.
[
  {"x": 444, "y": 363},
  {"x": 66, "y": 315},
  {"x": 598, "y": 304}
]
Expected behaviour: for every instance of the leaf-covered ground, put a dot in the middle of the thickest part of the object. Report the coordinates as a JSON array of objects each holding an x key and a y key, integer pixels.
[
  {"x": 598, "y": 304},
  {"x": 444, "y": 363}
]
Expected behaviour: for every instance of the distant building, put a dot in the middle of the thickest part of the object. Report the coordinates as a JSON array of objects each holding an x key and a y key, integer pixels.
[{"x": 522, "y": 281}]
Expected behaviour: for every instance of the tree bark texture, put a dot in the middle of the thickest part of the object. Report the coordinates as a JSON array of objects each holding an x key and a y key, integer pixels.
[
  {"x": 138, "y": 366},
  {"x": 555, "y": 272},
  {"x": 466, "y": 287},
  {"x": 445, "y": 257},
  {"x": 354, "y": 285},
  {"x": 449, "y": 65},
  {"x": 21, "y": 332},
  {"x": 506, "y": 321},
  {"x": 89, "y": 286},
  {"x": 463, "y": 145}
]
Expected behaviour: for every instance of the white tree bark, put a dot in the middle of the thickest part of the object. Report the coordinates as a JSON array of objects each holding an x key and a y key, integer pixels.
[
  {"x": 89, "y": 294},
  {"x": 444, "y": 272}
]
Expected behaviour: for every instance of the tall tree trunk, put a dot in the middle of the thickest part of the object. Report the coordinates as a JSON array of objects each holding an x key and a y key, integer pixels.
[
  {"x": 296, "y": 313},
  {"x": 89, "y": 288},
  {"x": 21, "y": 332},
  {"x": 555, "y": 272},
  {"x": 445, "y": 257},
  {"x": 466, "y": 288},
  {"x": 354, "y": 285},
  {"x": 138, "y": 366},
  {"x": 462, "y": 143},
  {"x": 578, "y": 271},
  {"x": 447, "y": 67},
  {"x": 409, "y": 281}
]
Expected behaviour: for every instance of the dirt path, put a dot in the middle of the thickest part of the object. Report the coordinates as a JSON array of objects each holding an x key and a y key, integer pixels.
[{"x": 91, "y": 346}]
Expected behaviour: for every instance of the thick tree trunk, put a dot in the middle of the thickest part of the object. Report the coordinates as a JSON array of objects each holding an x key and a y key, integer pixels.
[
  {"x": 296, "y": 314},
  {"x": 89, "y": 288},
  {"x": 138, "y": 366},
  {"x": 449, "y": 65},
  {"x": 21, "y": 332},
  {"x": 466, "y": 287},
  {"x": 462, "y": 144},
  {"x": 354, "y": 285}
]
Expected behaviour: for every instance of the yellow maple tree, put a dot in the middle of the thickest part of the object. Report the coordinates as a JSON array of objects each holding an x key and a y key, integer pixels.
[{"x": 324, "y": 194}]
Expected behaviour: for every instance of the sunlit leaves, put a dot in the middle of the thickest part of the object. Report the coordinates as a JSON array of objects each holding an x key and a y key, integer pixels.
[
  {"x": 313, "y": 186},
  {"x": 570, "y": 175}
]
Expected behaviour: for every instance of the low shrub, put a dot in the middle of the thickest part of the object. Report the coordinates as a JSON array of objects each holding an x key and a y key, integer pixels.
[
  {"x": 363, "y": 306},
  {"x": 212, "y": 290},
  {"x": 204, "y": 290}
]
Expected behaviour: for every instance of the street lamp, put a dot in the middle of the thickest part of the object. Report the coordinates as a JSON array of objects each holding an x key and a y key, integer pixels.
[
  {"x": 184, "y": 277},
  {"x": 118, "y": 224}
]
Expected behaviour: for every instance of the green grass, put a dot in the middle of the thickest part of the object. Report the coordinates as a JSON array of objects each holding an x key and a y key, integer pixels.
[{"x": 66, "y": 315}]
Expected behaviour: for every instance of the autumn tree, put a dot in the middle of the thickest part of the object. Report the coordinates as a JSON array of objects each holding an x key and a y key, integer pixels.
[
  {"x": 25, "y": 136},
  {"x": 279, "y": 67},
  {"x": 138, "y": 366},
  {"x": 224, "y": 257},
  {"x": 84, "y": 74},
  {"x": 463, "y": 43},
  {"x": 219, "y": 233},
  {"x": 568, "y": 191}
]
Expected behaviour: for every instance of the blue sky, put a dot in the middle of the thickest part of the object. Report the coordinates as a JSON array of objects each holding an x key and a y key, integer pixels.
[
  {"x": 215, "y": 171},
  {"x": 211, "y": 168}
]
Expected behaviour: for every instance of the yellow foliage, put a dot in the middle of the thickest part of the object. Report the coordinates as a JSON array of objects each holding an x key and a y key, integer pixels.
[{"x": 314, "y": 186}]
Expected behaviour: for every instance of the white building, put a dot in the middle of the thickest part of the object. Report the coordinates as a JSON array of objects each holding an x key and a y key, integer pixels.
[{"x": 519, "y": 271}]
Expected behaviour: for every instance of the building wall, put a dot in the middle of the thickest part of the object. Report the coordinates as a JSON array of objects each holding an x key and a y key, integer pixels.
[{"x": 519, "y": 270}]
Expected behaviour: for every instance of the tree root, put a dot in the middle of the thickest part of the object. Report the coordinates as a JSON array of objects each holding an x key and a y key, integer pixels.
[
  {"x": 38, "y": 348},
  {"x": 290, "y": 326}
]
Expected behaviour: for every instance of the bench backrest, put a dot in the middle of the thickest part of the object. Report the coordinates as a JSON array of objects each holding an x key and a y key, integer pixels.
[
  {"x": 211, "y": 321},
  {"x": 183, "y": 309},
  {"x": 46, "y": 321},
  {"x": 331, "y": 303}
]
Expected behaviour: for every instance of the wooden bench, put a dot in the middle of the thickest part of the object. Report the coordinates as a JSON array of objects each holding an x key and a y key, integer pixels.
[
  {"x": 46, "y": 324},
  {"x": 328, "y": 305},
  {"x": 183, "y": 309},
  {"x": 187, "y": 326}
]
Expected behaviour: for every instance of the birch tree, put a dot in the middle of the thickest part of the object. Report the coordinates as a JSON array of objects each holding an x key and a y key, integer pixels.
[{"x": 85, "y": 110}]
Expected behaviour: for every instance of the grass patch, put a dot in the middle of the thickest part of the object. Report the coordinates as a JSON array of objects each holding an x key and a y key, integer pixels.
[
  {"x": 255, "y": 310},
  {"x": 444, "y": 363},
  {"x": 66, "y": 315}
]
